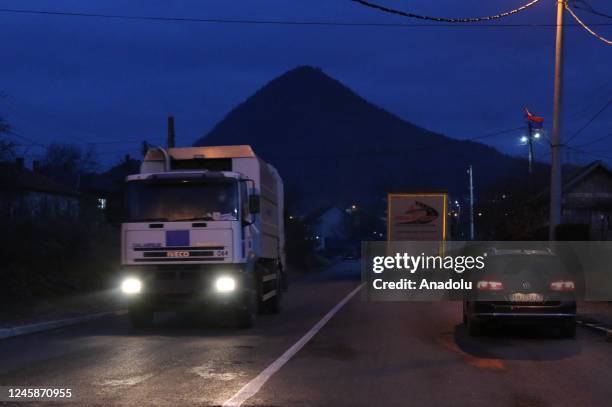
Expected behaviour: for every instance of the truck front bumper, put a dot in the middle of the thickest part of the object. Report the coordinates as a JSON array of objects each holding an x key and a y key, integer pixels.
[{"x": 178, "y": 286}]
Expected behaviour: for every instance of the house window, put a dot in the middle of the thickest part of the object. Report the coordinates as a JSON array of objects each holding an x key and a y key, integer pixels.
[{"x": 101, "y": 203}]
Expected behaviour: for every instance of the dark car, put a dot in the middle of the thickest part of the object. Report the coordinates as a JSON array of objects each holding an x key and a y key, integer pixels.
[{"x": 530, "y": 287}]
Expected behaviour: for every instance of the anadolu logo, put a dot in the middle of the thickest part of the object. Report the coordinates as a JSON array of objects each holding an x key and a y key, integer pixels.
[{"x": 417, "y": 214}]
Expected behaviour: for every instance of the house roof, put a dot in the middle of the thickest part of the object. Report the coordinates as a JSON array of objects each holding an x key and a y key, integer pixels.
[
  {"x": 584, "y": 172},
  {"x": 13, "y": 177},
  {"x": 571, "y": 180}
]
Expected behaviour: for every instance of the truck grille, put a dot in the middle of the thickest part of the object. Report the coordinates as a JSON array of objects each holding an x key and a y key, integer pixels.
[{"x": 182, "y": 254}]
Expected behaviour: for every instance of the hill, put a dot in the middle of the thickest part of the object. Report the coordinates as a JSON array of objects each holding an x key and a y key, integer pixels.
[{"x": 331, "y": 146}]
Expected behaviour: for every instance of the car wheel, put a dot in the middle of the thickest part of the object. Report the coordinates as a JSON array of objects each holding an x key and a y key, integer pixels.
[
  {"x": 475, "y": 328},
  {"x": 568, "y": 330}
]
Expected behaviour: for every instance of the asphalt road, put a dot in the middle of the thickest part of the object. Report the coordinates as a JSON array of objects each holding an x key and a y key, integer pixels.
[{"x": 367, "y": 354}]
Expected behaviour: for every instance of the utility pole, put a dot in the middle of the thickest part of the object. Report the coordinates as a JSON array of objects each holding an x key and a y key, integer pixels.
[
  {"x": 171, "y": 136},
  {"x": 470, "y": 172},
  {"x": 530, "y": 144},
  {"x": 555, "y": 165}
]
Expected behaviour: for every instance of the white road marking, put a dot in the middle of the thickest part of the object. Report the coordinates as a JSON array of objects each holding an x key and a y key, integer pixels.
[{"x": 252, "y": 387}]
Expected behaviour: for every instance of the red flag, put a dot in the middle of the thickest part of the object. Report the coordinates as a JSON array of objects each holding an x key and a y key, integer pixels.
[{"x": 532, "y": 118}]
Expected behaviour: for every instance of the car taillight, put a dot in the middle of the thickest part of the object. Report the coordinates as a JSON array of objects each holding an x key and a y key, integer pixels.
[
  {"x": 562, "y": 286},
  {"x": 488, "y": 285}
]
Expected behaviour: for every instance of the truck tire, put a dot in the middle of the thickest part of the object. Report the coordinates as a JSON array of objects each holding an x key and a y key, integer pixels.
[
  {"x": 141, "y": 316},
  {"x": 284, "y": 278},
  {"x": 246, "y": 312}
]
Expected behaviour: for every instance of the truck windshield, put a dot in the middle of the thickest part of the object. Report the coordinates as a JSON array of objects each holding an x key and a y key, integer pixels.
[{"x": 182, "y": 201}]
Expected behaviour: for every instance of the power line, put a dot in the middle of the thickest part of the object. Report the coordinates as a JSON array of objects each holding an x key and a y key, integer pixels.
[
  {"x": 586, "y": 27},
  {"x": 29, "y": 140},
  {"x": 607, "y": 157},
  {"x": 591, "y": 120},
  {"x": 589, "y": 9},
  {"x": 445, "y": 19},
  {"x": 594, "y": 141},
  {"x": 95, "y": 143},
  {"x": 273, "y": 22},
  {"x": 395, "y": 151}
]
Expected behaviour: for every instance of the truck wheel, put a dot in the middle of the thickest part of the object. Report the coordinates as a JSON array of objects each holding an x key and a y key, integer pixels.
[
  {"x": 246, "y": 313},
  {"x": 140, "y": 316},
  {"x": 284, "y": 278}
]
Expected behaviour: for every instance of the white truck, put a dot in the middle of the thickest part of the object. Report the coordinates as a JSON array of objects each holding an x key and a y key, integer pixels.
[{"x": 203, "y": 230}]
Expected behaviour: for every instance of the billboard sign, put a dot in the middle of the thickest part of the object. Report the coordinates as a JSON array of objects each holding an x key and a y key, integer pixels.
[{"x": 416, "y": 216}]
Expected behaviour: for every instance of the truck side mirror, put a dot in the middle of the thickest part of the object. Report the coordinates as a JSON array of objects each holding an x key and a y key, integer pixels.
[{"x": 254, "y": 204}]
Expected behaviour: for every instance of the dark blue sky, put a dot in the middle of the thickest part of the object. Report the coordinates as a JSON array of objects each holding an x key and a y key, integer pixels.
[{"x": 93, "y": 80}]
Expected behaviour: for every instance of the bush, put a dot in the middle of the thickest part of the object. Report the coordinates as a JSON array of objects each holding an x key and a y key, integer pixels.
[{"x": 48, "y": 257}]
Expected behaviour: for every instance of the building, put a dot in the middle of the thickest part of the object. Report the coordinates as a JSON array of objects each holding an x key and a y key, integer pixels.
[
  {"x": 25, "y": 192},
  {"x": 587, "y": 200},
  {"x": 327, "y": 226}
]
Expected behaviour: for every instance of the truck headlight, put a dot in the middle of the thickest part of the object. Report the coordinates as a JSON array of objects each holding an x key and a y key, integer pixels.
[
  {"x": 131, "y": 285},
  {"x": 225, "y": 284}
]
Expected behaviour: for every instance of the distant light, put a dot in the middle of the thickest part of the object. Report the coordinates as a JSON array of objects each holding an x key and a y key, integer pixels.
[
  {"x": 536, "y": 135},
  {"x": 101, "y": 203},
  {"x": 504, "y": 196},
  {"x": 317, "y": 237},
  {"x": 524, "y": 139},
  {"x": 479, "y": 213},
  {"x": 290, "y": 217},
  {"x": 353, "y": 207}
]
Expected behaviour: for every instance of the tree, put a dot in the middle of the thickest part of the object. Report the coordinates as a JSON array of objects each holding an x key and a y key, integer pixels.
[
  {"x": 7, "y": 150},
  {"x": 7, "y": 147},
  {"x": 69, "y": 161}
]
